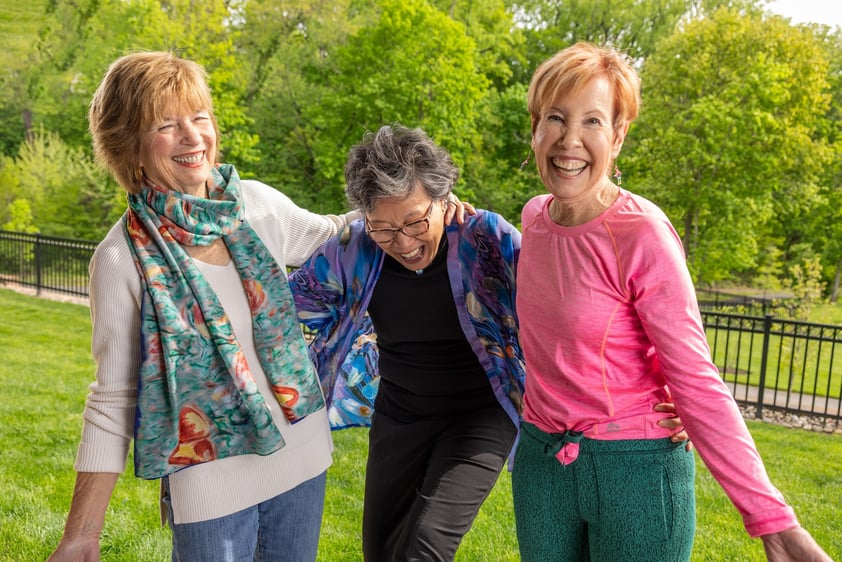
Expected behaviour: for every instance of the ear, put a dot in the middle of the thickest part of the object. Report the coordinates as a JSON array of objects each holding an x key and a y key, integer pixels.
[{"x": 619, "y": 137}]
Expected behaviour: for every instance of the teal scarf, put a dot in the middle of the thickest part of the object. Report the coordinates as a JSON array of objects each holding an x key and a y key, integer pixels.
[{"x": 197, "y": 399}]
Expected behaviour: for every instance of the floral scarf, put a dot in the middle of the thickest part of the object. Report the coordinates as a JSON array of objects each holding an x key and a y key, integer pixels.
[{"x": 197, "y": 399}]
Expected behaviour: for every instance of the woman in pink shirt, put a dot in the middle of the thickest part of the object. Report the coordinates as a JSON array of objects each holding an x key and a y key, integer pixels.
[{"x": 609, "y": 327}]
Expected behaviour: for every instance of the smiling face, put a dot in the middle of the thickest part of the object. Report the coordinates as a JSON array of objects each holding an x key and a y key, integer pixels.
[
  {"x": 575, "y": 142},
  {"x": 177, "y": 150},
  {"x": 416, "y": 252}
]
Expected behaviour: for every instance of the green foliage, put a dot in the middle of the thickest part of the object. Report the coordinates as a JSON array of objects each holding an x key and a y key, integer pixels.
[
  {"x": 804, "y": 282},
  {"x": 20, "y": 217},
  {"x": 494, "y": 175},
  {"x": 499, "y": 47},
  {"x": 823, "y": 224},
  {"x": 725, "y": 141},
  {"x": 283, "y": 42},
  {"x": 633, "y": 26},
  {"x": 428, "y": 80},
  {"x": 740, "y": 139},
  {"x": 19, "y": 220},
  {"x": 316, "y": 103},
  {"x": 19, "y": 22},
  {"x": 65, "y": 193},
  {"x": 78, "y": 40},
  {"x": 9, "y": 186}
]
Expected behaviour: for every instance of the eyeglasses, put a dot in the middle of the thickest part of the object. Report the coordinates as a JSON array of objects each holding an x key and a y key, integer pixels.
[{"x": 412, "y": 229}]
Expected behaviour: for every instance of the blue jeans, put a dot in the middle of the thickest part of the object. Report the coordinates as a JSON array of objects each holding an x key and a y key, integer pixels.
[{"x": 284, "y": 528}]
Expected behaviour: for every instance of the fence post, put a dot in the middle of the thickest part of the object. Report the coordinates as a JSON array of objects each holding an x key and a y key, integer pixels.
[
  {"x": 767, "y": 330},
  {"x": 38, "y": 248}
]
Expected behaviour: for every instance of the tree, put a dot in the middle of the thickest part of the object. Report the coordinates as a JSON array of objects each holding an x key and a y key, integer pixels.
[
  {"x": 499, "y": 43},
  {"x": 825, "y": 220},
  {"x": 19, "y": 22},
  {"x": 634, "y": 26},
  {"x": 428, "y": 79},
  {"x": 496, "y": 176},
  {"x": 20, "y": 217},
  {"x": 58, "y": 190},
  {"x": 80, "y": 39},
  {"x": 726, "y": 141},
  {"x": 281, "y": 44},
  {"x": 386, "y": 71}
]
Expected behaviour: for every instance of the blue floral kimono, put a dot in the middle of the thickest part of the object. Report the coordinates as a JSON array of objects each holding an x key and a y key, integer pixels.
[{"x": 333, "y": 288}]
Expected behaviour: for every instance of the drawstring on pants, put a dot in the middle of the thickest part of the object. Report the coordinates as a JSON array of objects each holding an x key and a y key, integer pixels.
[{"x": 563, "y": 446}]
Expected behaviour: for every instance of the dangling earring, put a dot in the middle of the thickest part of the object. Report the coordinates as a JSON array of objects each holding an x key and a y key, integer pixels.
[
  {"x": 526, "y": 160},
  {"x": 618, "y": 175}
]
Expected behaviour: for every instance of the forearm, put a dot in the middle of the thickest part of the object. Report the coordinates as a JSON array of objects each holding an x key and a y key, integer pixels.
[
  {"x": 91, "y": 495},
  {"x": 727, "y": 448}
]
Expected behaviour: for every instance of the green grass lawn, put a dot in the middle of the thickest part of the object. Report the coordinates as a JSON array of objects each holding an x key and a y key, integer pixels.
[
  {"x": 45, "y": 369},
  {"x": 827, "y": 313}
]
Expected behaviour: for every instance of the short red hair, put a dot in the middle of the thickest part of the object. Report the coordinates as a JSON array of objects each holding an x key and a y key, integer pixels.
[{"x": 573, "y": 67}]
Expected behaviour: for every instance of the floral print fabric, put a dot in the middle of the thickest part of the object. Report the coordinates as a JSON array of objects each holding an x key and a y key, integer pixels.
[
  {"x": 197, "y": 398},
  {"x": 333, "y": 288}
]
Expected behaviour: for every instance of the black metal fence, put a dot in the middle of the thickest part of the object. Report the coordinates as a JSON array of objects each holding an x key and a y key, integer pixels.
[
  {"x": 778, "y": 364},
  {"x": 768, "y": 363},
  {"x": 45, "y": 262},
  {"x": 748, "y": 304}
]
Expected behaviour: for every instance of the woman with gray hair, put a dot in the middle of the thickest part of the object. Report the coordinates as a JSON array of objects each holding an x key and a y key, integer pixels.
[
  {"x": 447, "y": 369},
  {"x": 415, "y": 333}
]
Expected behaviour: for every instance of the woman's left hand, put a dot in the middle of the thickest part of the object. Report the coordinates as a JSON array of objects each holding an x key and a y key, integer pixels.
[
  {"x": 457, "y": 209},
  {"x": 793, "y": 545},
  {"x": 673, "y": 422}
]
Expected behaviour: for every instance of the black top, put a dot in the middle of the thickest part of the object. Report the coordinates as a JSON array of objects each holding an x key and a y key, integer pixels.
[{"x": 427, "y": 366}]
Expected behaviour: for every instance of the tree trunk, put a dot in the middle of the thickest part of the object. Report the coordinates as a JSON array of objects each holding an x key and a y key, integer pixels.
[
  {"x": 834, "y": 291},
  {"x": 27, "y": 125}
]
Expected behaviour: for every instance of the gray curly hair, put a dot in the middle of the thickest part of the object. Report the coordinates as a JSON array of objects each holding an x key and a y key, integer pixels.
[{"x": 392, "y": 162}]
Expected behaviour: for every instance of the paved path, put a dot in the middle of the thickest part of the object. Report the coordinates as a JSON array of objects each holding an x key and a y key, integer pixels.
[
  {"x": 806, "y": 404},
  {"x": 45, "y": 294}
]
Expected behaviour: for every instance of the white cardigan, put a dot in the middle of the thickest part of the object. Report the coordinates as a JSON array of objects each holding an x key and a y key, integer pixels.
[{"x": 224, "y": 486}]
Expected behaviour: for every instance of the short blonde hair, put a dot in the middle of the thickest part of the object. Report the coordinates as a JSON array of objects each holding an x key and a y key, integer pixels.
[
  {"x": 572, "y": 68},
  {"x": 133, "y": 95}
]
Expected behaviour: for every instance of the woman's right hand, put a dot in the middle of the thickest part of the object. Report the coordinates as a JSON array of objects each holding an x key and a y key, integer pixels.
[
  {"x": 456, "y": 209},
  {"x": 76, "y": 550},
  {"x": 675, "y": 424}
]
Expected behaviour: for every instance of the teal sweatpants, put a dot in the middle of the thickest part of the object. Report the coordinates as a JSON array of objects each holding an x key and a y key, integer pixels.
[{"x": 619, "y": 501}]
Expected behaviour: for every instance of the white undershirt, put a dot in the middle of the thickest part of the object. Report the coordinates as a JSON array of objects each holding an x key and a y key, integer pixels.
[
  {"x": 214, "y": 489},
  {"x": 220, "y": 487}
]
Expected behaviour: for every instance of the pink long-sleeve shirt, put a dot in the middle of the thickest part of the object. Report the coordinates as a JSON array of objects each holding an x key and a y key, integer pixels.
[{"x": 610, "y": 326}]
